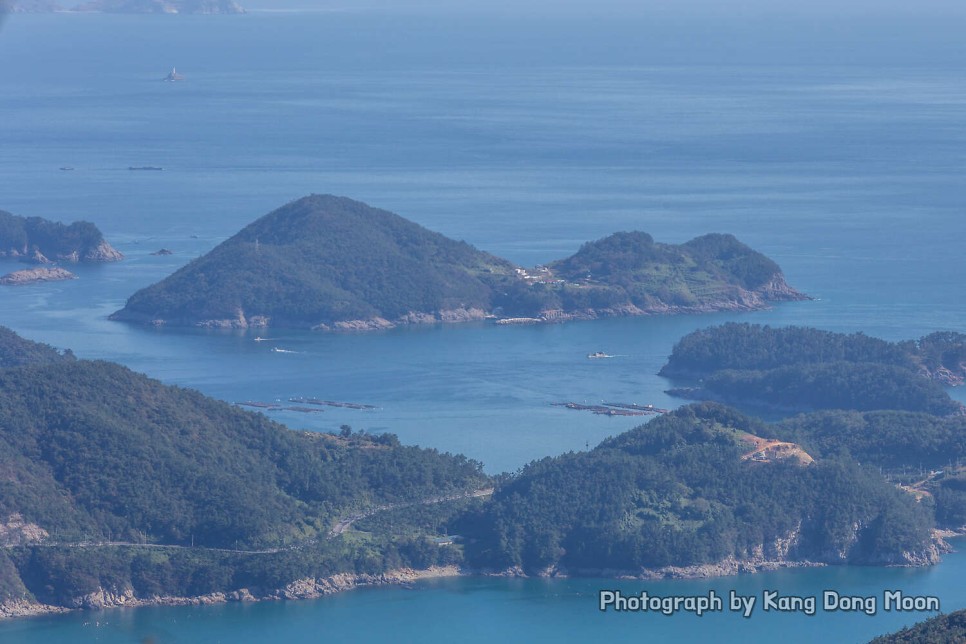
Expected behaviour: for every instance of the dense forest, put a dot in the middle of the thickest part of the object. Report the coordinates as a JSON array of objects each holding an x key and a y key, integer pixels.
[
  {"x": 36, "y": 239},
  {"x": 891, "y": 439},
  {"x": 323, "y": 261},
  {"x": 943, "y": 629},
  {"x": 16, "y": 351},
  {"x": 800, "y": 368},
  {"x": 755, "y": 347},
  {"x": 115, "y": 481},
  {"x": 92, "y": 452},
  {"x": 925, "y": 452},
  {"x": 677, "y": 491}
]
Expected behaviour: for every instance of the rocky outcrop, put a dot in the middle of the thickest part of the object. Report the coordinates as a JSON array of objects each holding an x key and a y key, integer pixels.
[
  {"x": 740, "y": 302},
  {"x": 308, "y": 588},
  {"x": 777, "y": 554},
  {"x": 12, "y": 608},
  {"x": 33, "y": 275},
  {"x": 778, "y": 290},
  {"x": 103, "y": 252},
  {"x": 240, "y": 321},
  {"x": 944, "y": 375},
  {"x": 37, "y": 258},
  {"x": 447, "y": 316},
  {"x": 312, "y": 588},
  {"x": 14, "y": 531},
  {"x": 724, "y": 568}
]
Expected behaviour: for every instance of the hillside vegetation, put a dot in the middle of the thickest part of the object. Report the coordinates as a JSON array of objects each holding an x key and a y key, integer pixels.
[
  {"x": 93, "y": 453},
  {"x": 678, "y": 492},
  {"x": 332, "y": 263},
  {"x": 16, "y": 351},
  {"x": 800, "y": 368},
  {"x": 41, "y": 240},
  {"x": 943, "y": 629}
]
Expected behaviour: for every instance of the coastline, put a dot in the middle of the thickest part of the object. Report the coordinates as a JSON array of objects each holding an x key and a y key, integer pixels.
[
  {"x": 747, "y": 301},
  {"x": 307, "y": 588},
  {"x": 315, "y": 588}
]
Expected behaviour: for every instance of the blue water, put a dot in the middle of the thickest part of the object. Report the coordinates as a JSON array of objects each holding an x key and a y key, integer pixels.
[{"x": 524, "y": 137}]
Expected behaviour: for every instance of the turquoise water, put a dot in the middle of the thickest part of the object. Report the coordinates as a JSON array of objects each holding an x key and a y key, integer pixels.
[
  {"x": 515, "y": 610},
  {"x": 849, "y": 175}
]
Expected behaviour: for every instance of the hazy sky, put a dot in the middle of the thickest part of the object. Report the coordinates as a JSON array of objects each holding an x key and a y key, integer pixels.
[{"x": 727, "y": 7}]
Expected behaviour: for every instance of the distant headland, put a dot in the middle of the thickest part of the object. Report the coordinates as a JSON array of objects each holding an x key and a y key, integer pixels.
[
  {"x": 331, "y": 263},
  {"x": 40, "y": 241},
  {"x": 124, "y": 6}
]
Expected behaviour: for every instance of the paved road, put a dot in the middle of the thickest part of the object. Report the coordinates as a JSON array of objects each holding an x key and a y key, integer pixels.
[{"x": 340, "y": 527}]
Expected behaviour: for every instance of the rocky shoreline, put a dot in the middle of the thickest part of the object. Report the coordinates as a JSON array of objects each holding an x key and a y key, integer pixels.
[
  {"x": 745, "y": 301},
  {"x": 732, "y": 566},
  {"x": 308, "y": 588},
  {"x": 314, "y": 588},
  {"x": 34, "y": 275}
]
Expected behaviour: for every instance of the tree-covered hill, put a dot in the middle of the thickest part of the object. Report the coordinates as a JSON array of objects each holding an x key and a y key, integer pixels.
[
  {"x": 629, "y": 273},
  {"x": 16, "y": 351},
  {"x": 801, "y": 368},
  {"x": 926, "y": 453},
  {"x": 678, "y": 492},
  {"x": 944, "y": 629},
  {"x": 134, "y": 459},
  {"x": 98, "y": 463},
  {"x": 891, "y": 439},
  {"x": 323, "y": 260},
  {"x": 332, "y": 263},
  {"x": 40, "y": 240}
]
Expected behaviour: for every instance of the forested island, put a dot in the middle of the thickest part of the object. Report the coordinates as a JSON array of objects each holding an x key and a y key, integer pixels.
[
  {"x": 125, "y": 6},
  {"x": 802, "y": 369},
  {"x": 331, "y": 263},
  {"x": 701, "y": 491},
  {"x": 120, "y": 490},
  {"x": 41, "y": 241}
]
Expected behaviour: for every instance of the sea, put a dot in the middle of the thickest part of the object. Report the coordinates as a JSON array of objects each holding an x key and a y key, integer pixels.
[{"x": 837, "y": 151}]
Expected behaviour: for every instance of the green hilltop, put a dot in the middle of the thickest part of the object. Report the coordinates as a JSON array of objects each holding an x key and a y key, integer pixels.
[
  {"x": 330, "y": 262},
  {"x": 117, "y": 489},
  {"x": 40, "y": 241},
  {"x": 687, "y": 489},
  {"x": 802, "y": 369},
  {"x": 113, "y": 481}
]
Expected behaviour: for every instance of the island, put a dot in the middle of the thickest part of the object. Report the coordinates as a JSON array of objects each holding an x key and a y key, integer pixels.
[
  {"x": 127, "y": 6},
  {"x": 119, "y": 490},
  {"x": 122, "y": 491},
  {"x": 330, "y": 263},
  {"x": 41, "y": 241},
  {"x": 34, "y": 275},
  {"x": 699, "y": 492},
  {"x": 802, "y": 369}
]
